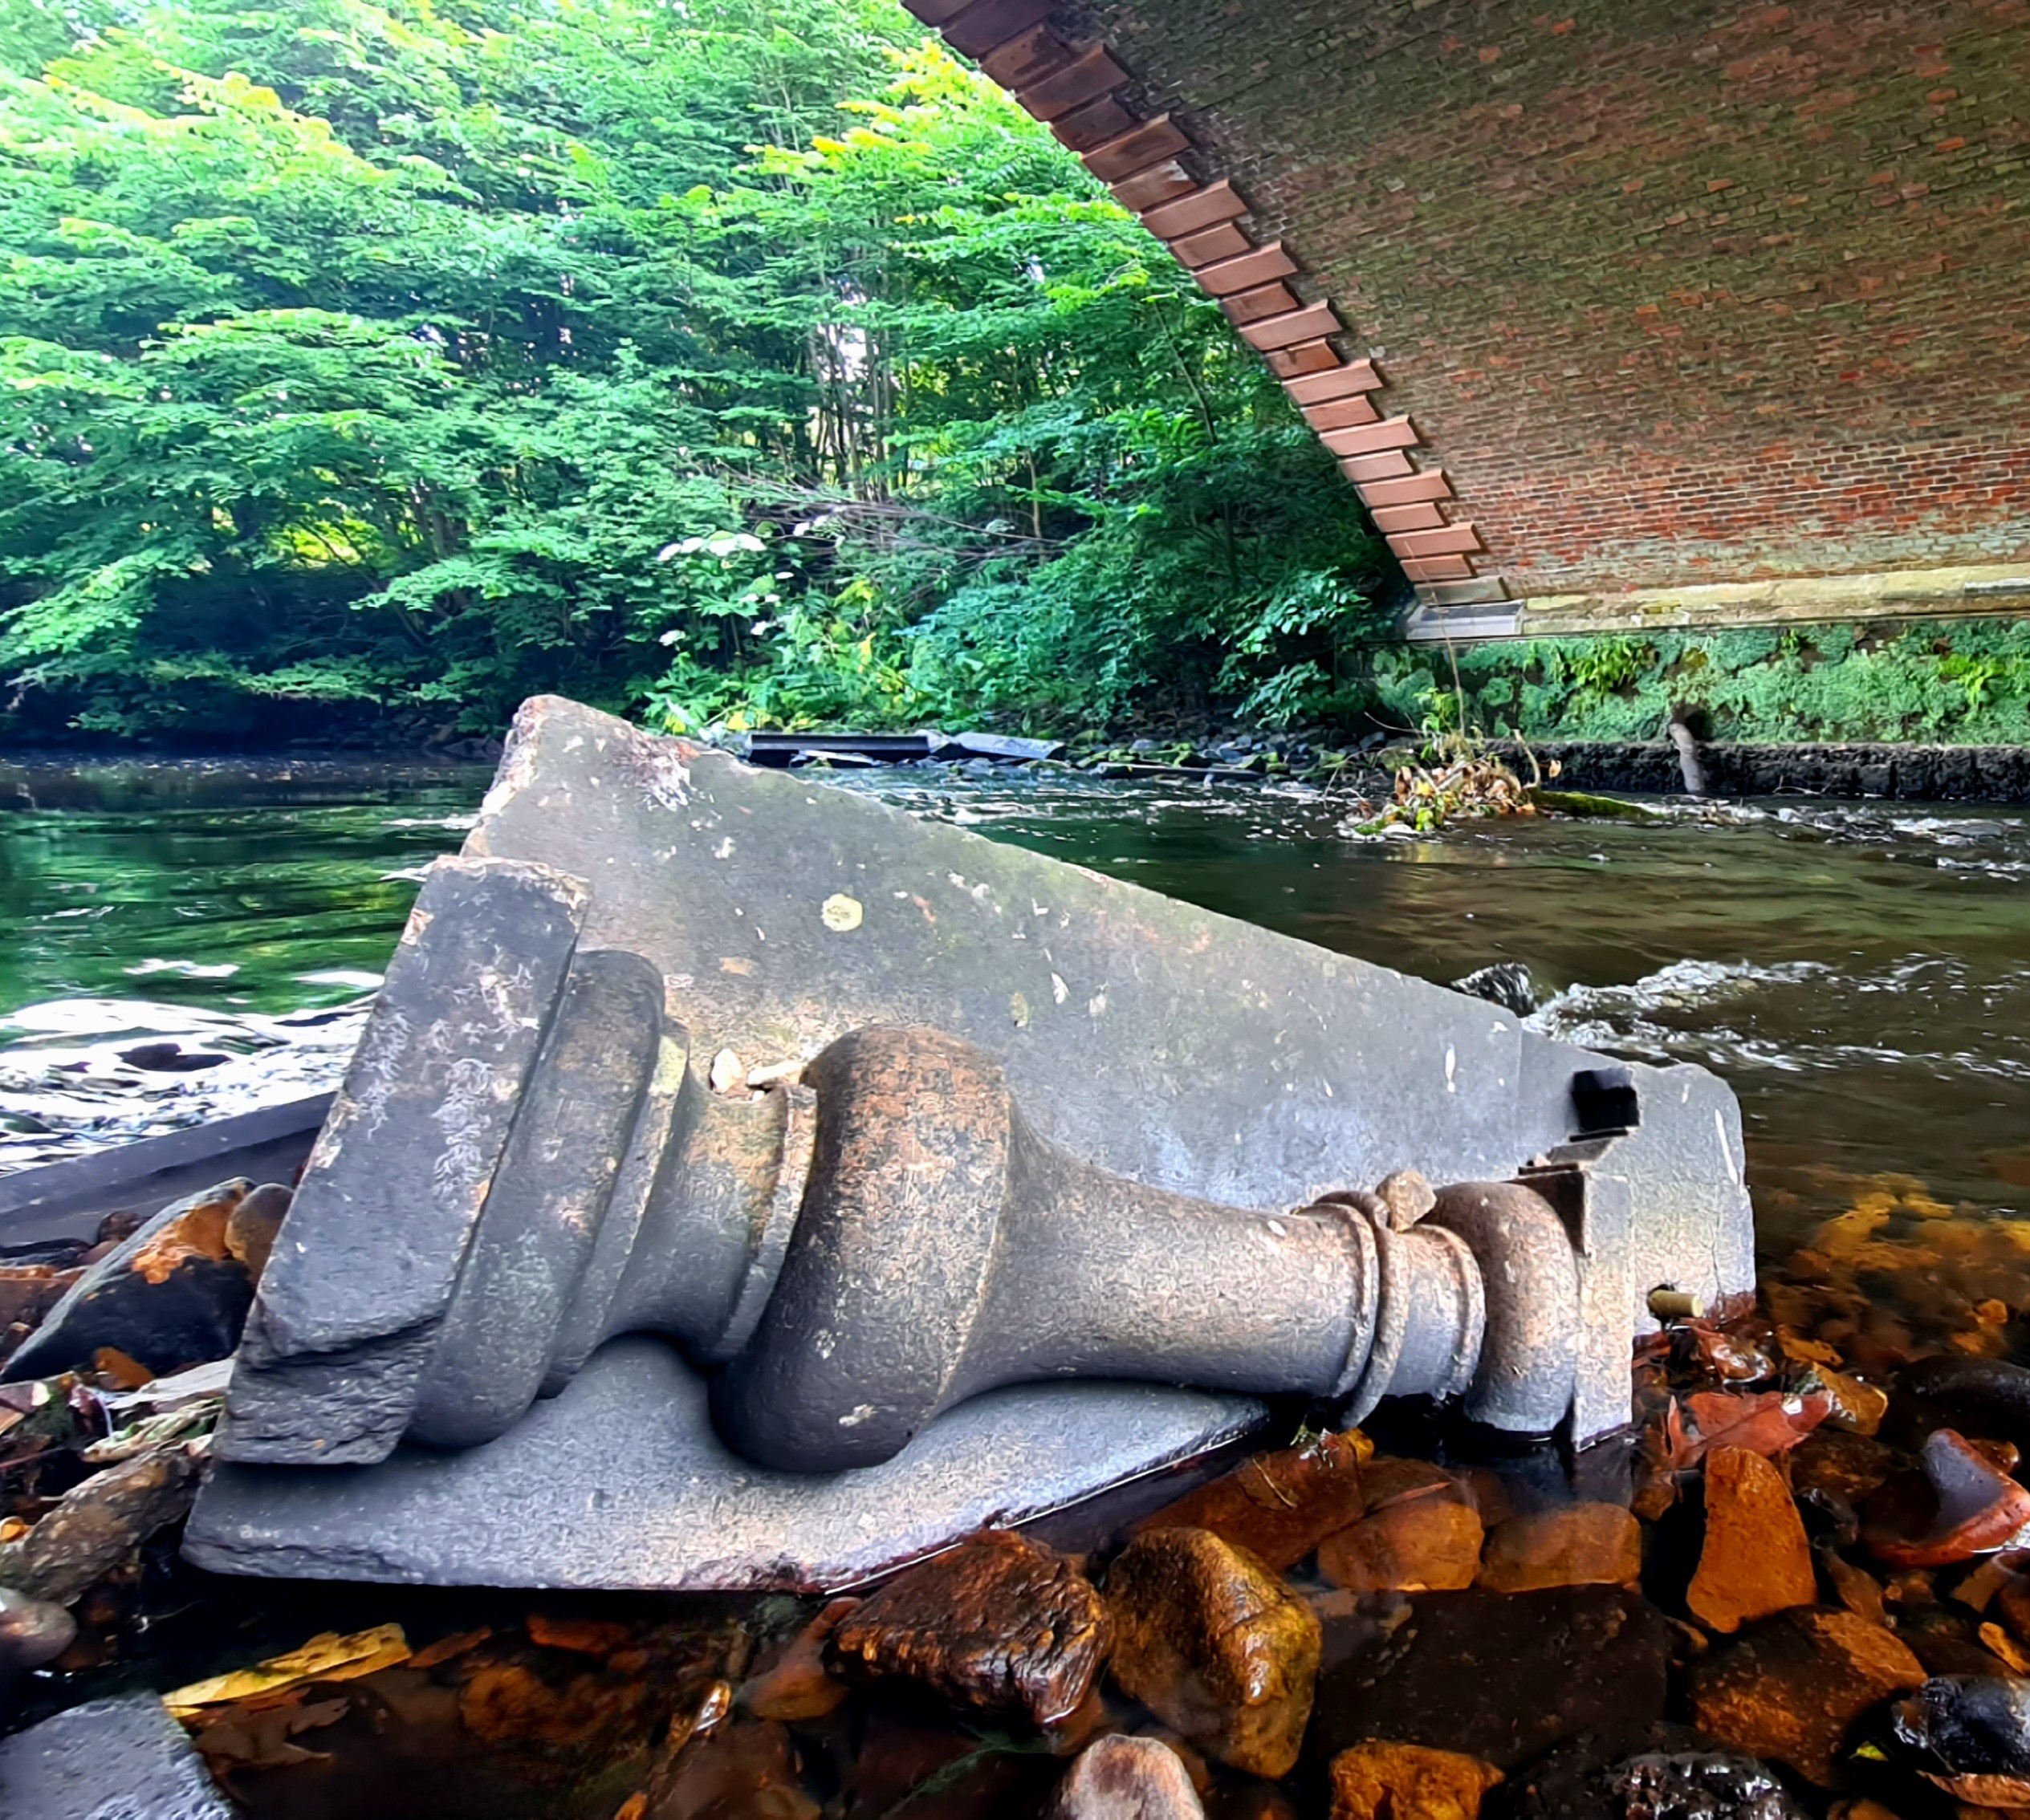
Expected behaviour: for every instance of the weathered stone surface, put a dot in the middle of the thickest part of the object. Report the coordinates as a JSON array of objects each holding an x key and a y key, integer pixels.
[
  {"x": 1391, "y": 1782},
  {"x": 1124, "y": 1778},
  {"x": 1756, "y": 1559},
  {"x": 1574, "y": 1545},
  {"x": 1504, "y": 1677},
  {"x": 98, "y": 1523},
  {"x": 1790, "y": 1689},
  {"x": 1000, "y": 1623},
  {"x": 1278, "y": 1506},
  {"x": 621, "y": 1481},
  {"x": 172, "y": 1294},
  {"x": 1214, "y": 1644},
  {"x": 124, "y": 1759},
  {"x": 1419, "y": 1545}
]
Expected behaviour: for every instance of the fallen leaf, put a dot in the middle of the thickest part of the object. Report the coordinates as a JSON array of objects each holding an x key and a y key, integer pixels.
[
  {"x": 327, "y": 1657},
  {"x": 1765, "y": 1423},
  {"x": 258, "y": 1738},
  {"x": 1999, "y": 1644},
  {"x": 445, "y": 1647},
  {"x": 126, "y": 1372}
]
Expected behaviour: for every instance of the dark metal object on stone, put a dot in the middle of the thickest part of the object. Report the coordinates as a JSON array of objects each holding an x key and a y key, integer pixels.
[
  {"x": 124, "y": 1759},
  {"x": 1048, "y": 1125}
]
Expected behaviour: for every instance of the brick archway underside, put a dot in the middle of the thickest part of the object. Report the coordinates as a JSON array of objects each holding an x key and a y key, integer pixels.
[{"x": 1618, "y": 312}]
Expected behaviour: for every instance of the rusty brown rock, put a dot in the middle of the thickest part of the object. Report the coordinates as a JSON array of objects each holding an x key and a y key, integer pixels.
[
  {"x": 1278, "y": 1506},
  {"x": 1756, "y": 1559},
  {"x": 999, "y": 1623},
  {"x": 99, "y": 1525},
  {"x": 796, "y": 1683},
  {"x": 1122, "y": 1778},
  {"x": 1578, "y": 1545},
  {"x": 1973, "y": 1508},
  {"x": 1425, "y": 1544},
  {"x": 1216, "y": 1646},
  {"x": 1840, "y": 1464},
  {"x": 1790, "y": 1689},
  {"x": 1396, "y": 1781}
]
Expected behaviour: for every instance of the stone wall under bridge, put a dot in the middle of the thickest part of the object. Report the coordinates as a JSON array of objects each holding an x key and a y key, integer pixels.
[{"x": 1617, "y": 312}]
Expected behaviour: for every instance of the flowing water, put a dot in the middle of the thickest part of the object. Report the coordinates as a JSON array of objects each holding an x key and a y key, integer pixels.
[{"x": 1860, "y": 974}]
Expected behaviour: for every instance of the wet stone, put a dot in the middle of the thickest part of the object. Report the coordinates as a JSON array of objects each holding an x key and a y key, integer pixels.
[
  {"x": 99, "y": 1525},
  {"x": 1215, "y": 1646},
  {"x": 1504, "y": 1677},
  {"x": 1122, "y": 1778},
  {"x": 1790, "y": 1689},
  {"x": 173, "y": 1294},
  {"x": 738, "y": 1770},
  {"x": 1000, "y": 1623},
  {"x": 1677, "y": 1780},
  {"x": 1389, "y": 1781},
  {"x": 1421, "y": 1544},
  {"x": 1279, "y": 1506},
  {"x": 796, "y": 1683},
  {"x": 1576, "y": 1544},
  {"x": 32, "y": 1631},
  {"x": 1840, "y": 1464},
  {"x": 1973, "y": 1509},
  {"x": 1756, "y": 1559},
  {"x": 1971, "y": 1734}
]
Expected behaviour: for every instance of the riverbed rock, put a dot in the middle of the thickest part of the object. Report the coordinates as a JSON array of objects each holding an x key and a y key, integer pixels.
[
  {"x": 797, "y": 1682},
  {"x": 1393, "y": 1782},
  {"x": 1756, "y": 1559},
  {"x": 743, "y": 1770},
  {"x": 32, "y": 1631},
  {"x": 1678, "y": 1779},
  {"x": 1973, "y": 1732},
  {"x": 1124, "y": 1778},
  {"x": 1504, "y": 1677},
  {"x": 100, "y": 1524},
  {"x": 1215, "y": 1646},
  {"x": 1973, "y": 1508},
  {"x": 1573, "y": 1545},
  {"x": 1000, "y": 1623},
  {"x": 1426, "y": 1544},
  {"x": 173, "y": 1294},
  {"x": 1278, "y": 1506},
  {"x": 1791, "y": 1688}
]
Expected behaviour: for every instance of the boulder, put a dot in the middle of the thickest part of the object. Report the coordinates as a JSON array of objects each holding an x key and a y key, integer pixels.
[
  {"x": 1791, "y": 1688},
  {"x": 1000, "y": 1623},
  {"x": 1215, "y": 1646}
]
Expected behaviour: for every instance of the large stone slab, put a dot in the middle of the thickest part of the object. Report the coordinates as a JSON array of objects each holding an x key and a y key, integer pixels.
[
  {"x": 124, "y": 1759},
  {"x": 620, "y": 1481}
]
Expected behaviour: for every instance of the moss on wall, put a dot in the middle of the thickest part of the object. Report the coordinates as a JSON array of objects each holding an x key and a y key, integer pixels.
[{"x": 1957, "y": 682}]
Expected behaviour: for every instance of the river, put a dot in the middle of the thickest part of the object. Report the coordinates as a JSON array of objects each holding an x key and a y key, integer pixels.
[{"x": 1859, "y": 973}]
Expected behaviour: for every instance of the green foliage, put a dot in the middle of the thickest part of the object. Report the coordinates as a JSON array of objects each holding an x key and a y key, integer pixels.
[
  {"x": 734, "y": 360},
  {"x": 1965, "y": 681}
]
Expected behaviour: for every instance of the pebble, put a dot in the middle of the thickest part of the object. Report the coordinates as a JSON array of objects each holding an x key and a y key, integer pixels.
[
  {"x": 1789, "y": 1690},
  {"x": 1000, "y": 1623},
  {"x": 1214, "y": 1644},
  {"x": 1123, "y": 1778},
  {"x": 1426, "y": 1544},
  {"x": 1756, "y": 1559},
  {"x": 1391, "y": 1781},
  {"x": 1575, "y": 1545},
  {"x": 1973, "y": 1733},
  {"x": 1278, "y": 1506}
]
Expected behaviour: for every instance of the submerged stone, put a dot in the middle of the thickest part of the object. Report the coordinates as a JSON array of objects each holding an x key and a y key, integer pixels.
[
  {"x": 1791, "y": 1689},
  {"x": 1756, "y": 1559},
  {"x": 1389, "y": 1781},
  {"x": 1000, "y": 1623},
  {"x": 1428, "y": 1544},
  {"x": 1573, "y": 1545},
  {"x": 1124, "y": 1778},
  {"x": 1215, "y": 1646},
  {"x": 1278, "y": 1506}
]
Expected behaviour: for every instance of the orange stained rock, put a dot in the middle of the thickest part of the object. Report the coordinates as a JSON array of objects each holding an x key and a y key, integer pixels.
[
  {"x": 1401, "y": 1781},
  {"x": 198, "y": 1232},
  {"x": 1756, "y": 1559},
  {"x": 1428, "y": 1544},
  {"x": 1578, "y": 1545}
]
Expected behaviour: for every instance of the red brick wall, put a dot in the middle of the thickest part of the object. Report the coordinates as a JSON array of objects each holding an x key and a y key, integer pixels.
[{"x": 1673, "y": 292}]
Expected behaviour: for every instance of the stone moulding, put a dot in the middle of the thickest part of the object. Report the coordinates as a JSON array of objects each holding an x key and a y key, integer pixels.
[{"x": 1084, "y": 94}]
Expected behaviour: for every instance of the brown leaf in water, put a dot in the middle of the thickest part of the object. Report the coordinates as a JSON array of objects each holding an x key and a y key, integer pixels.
[
  {"x": 1725, "y": 1356},
  {"x": 257, "y": 1737},
  {"x": 1800, "y": 1350},
  {"x": 1766, "y": 1422},
  {"x": 2004, "y": 1791},
  {"x": 1999, "y": 1644}
]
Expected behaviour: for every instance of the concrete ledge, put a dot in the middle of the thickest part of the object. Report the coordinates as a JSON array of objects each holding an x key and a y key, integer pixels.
[
  {"x": 1809, "y": 600},
  {"x": 1914, "y": 773}
]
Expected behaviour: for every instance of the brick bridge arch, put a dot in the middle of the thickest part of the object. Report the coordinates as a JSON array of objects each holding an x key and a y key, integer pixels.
[{"x": 1617, "y": 312}]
